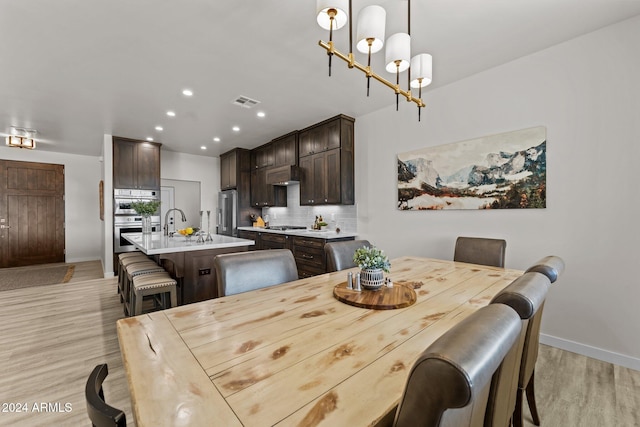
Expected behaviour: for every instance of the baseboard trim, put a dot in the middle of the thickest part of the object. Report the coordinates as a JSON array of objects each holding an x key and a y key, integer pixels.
[{"x": 593, "y": 352}]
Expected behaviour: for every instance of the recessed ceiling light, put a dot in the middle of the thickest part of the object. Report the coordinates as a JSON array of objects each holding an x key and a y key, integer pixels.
[
  {"x": 260, "y": 114},
  {"x": 171, "y": 113},
  {"x": 159, "y": 128},
  {"x": 235, "y": 129},
  {"x": 216, "y": 139},
  {"x": 187, "y": 92},
  {"x": 203, "y": 147},
  {"x": 149, "y": 139}
]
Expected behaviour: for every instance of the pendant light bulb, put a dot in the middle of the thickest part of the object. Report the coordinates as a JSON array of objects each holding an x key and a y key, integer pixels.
[
  {"x": 370, "y": 30},
  {"x": 398, "y": 49},
  {"x": 332, "y": 10},
  {"x": 421, "y": 70}
]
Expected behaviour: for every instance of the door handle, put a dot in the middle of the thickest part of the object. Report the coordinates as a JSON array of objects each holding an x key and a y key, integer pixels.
[{"x": 4, "y": 226}]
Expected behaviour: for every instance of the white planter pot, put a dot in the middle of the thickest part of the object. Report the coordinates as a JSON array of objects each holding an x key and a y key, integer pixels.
[{"x": 372, "y": 278}]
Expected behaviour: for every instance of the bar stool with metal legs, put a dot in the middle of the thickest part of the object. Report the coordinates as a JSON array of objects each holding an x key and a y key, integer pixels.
[{"x": 156, "y": 285}]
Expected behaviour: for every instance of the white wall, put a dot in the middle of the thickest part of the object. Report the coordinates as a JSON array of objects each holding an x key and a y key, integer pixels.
[
  {"x": 83, "y": 235},
  {"x": 188, "y": 167},
  {"x": 587, "y": 93}
]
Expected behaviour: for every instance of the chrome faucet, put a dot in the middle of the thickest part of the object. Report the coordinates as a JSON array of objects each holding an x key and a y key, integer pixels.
[{"x": 165, "y": 227}]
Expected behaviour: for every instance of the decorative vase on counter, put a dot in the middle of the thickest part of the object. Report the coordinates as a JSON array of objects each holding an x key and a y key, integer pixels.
[
  {"x": 372, "y": 279},
  {"x": 146, "y": 224}
]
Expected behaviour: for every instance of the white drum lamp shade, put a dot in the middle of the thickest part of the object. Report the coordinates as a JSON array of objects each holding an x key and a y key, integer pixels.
[
  {"x": 371, "y": 23},
  {"x": 341, "y": 6},
  {"x": 398, "y": 49},
  {"x": 421, "y": 67}
]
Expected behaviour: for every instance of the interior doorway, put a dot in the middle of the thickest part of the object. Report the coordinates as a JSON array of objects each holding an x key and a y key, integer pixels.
[
  {"x": 32, "y": 228},
  {"x": 167, "y": 202},
  {"x": 184, "y": 195}
]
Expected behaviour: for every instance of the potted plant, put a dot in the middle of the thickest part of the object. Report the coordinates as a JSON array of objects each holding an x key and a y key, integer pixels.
[
  {"x": 146, "y": 209},
  {"x": 372, "y": 262}
]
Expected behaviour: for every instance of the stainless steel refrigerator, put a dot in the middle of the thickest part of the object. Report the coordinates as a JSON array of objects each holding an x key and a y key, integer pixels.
[{"x": 228, "y": 213}]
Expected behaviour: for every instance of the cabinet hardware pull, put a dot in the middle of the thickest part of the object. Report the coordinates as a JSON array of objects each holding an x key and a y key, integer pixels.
[{"x": 307, "y": 256}]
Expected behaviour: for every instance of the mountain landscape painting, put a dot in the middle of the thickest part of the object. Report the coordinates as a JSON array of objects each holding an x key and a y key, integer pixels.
[{"x": 504, "y": 171}]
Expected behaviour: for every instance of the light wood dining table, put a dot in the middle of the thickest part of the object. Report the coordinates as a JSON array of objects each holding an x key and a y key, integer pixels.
[{"x": 293, "y": 355}]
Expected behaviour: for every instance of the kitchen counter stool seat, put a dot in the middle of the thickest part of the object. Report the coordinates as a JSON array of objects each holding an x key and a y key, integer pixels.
[
  {"x": 134, "y": 270},
  {"x": 156, "y": 284},
  {"x": 125, "y": 259}
]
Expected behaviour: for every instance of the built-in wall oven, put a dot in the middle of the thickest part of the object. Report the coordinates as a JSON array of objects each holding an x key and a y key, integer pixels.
[
  {"x": 129, "y": 224},
  {"x": 124, "y": 197},
  {"x": 125, "y": 218}
]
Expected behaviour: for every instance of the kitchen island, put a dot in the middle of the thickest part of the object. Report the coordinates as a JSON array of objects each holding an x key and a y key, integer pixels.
[{"x": 191, "y": 263}]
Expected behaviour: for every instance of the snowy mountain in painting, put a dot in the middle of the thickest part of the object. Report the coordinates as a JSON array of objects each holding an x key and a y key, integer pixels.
[{"x": 498, "y": 168}]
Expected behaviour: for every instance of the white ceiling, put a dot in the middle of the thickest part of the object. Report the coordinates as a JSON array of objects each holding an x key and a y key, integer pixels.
[{"x": 77, "y": 69}]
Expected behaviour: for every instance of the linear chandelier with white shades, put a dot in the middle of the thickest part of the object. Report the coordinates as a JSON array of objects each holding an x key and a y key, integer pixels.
[{"x": 370, "y": 38}]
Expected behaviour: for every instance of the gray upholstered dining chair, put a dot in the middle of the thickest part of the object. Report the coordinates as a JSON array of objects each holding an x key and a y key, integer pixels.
[
  {"x": 449, "y": 383},
  {"x": 552, "y": 267},
  {"x": 480, "y": 250},
  {"x": 247, "y": 271},
  {"x": 340, "y": 254},
  {"x": 526, "y": 295},
  {"x": 100, "y": 413}
]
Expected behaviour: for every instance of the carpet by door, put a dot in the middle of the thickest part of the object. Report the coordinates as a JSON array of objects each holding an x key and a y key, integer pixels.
[{"x": 25, "y": 277}]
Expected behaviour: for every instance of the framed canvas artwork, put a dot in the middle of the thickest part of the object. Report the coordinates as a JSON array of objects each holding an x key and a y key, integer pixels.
[{"x": 503, "y": 171}]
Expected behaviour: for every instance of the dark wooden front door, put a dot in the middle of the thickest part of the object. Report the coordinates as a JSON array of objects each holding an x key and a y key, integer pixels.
[{"x": 31, "y": 213}]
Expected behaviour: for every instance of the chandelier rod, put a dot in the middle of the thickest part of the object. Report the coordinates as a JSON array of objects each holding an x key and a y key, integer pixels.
[{"x": 354, "y": 64}]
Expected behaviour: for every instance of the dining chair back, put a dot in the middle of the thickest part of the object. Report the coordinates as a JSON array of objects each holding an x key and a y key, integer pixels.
[
  {"x": 340, "y": 254},
  {"x": 450, "y": 382},
  {"x": 101, "y": 414},
  {"x": 480, "y": 250},
  {"x": 526, "y": 295},
  {"x": 246, "y": 271},
  {"x": 552, "y": 267}
]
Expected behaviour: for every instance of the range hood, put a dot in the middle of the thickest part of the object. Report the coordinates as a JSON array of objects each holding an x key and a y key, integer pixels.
[{"x": 283, "y": 175}]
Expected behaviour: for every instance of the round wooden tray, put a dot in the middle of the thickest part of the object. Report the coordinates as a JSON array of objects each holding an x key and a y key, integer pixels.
[{"x": 399, "y": 296}]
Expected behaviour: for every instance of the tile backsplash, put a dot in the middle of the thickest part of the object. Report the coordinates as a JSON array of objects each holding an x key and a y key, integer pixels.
[{"x": 343, "y": 216}]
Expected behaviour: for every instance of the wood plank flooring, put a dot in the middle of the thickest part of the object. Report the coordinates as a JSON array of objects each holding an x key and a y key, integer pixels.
[{"x": 53, "y": 336}]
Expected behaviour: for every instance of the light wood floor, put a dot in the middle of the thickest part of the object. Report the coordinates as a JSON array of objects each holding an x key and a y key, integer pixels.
[{"x": 53, "y": 336}]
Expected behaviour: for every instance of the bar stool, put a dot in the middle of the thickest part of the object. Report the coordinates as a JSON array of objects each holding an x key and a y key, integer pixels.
[
  {"x": 153, "y": 284},
  {"x": 129, "y": 257},
  {"x": 133, "y": 270}
]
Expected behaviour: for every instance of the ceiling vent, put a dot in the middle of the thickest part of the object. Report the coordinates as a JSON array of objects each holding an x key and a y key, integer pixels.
[{"x": 245, "y": 102}]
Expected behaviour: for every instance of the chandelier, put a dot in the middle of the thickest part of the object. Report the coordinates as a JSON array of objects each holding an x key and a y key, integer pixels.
[
  {"x": 22, "y": 138},
  {"x": 370, "y": 38}
]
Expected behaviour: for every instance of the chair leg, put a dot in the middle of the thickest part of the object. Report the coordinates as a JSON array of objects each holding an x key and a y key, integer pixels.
[
  {"x": 517, "y": 413},
  {"x": 174, "y": 298},
  {"x": 531, "y": 399},
  {"x": 137, "y": 304}
]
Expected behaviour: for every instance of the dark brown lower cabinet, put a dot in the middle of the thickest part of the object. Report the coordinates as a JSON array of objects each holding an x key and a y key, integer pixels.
[
  {"x": 309, "y": 254},
  {"x": 307, "y": 251}
]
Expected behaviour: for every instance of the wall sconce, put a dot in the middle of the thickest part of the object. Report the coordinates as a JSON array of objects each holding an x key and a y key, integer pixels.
[{"x": 22, "y": 138}]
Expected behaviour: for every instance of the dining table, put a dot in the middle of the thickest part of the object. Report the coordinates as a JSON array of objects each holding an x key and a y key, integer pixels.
[{"x": 295, "y": 354}]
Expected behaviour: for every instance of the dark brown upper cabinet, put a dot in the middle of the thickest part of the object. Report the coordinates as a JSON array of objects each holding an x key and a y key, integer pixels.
[
  {"x": 321, "y": 137},
  {"x": 262, "y": 156},
  {"x": 231, "y": 168},
  {"x": 326, "y": 162},
  {"x": 136, "y": 164},
  {"x": 264, "y": 195},
  {"x": 285, "y": 149}
]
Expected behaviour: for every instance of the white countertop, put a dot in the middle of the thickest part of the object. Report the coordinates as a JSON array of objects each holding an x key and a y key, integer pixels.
[
  {"x": 157, "y": 243},
  {"x": 328, "y": 234}
]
